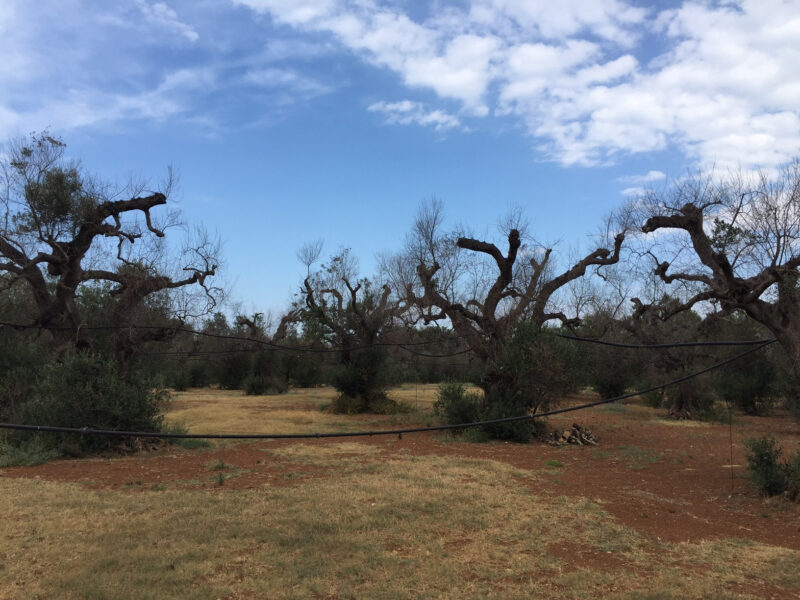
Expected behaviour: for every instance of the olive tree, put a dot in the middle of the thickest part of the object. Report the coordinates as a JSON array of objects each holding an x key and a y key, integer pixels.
[
  {"x": 61, "y": 230},
  {"x": 353, "y": 316},
  {"x": 495, "y": 299},
  {"x": 733, "y": 243}
]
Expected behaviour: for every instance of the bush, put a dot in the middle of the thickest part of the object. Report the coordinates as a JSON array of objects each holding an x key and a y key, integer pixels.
[
  {"x": 793, "y": 477},
  {"x": 521, "y": 431},
  {"x": 258, "y": 385},
  {"x": 21, "y": 358},
  {"x": 530, "y": 372},
  {"x": 750, "y": 385},
  {"x": 85, "y": 390},
  {"x": 361, "y": 383},
  {"x": 34, "y": 449},
  {"x": 304, "y": 369},
  {"x": 455, "y": 405},
  {"x": 771, "y": 476},
  {"x": 181, "y": 380},
  {"x": 233, "y": 370}
]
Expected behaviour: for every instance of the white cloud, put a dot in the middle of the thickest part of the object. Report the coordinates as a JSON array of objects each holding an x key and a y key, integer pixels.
[
  {"x": 608, "y": 19},
  {"x": 579, "y": 76},
  {"x": 632, "y": 192},
  {"x": 726, "y": 90},
  {"x": 407, "y": 112},
  {"x": 648, "y": 177},
  {"x": 161, "y": 15},
  {"x": 82, "y": 108}
]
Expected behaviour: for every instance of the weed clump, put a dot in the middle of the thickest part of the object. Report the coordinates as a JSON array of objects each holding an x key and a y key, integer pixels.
[{"x": 771, "y": 476}]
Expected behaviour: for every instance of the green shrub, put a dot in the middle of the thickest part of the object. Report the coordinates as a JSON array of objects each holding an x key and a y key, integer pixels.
[
  {"x": 530, "y": 373},
  {"x": 476, "y": 435},
  {"x": 304, "y": 369},
  {"x": 520, "y": 431},
  {"x": 34, "y": 449},
  {"x": 361, "y": 383},
  {"x": 750, "y": 385},
  {"x": 194, "y": 374},
  {"x": 455, "y": 405},
  {"x": 232, "y": 371},
  {"x": 654, "y": 399},
  {"x": 380, "y": 405},
  {"x": 767, "y": 473},
  {"x": 188, "y": 443},
  {"x": 258, "y": 385},
  {"x": 181, "y": 380},
  {"x": 254, "y": 385},
  {"x": 85, "y": 390}
]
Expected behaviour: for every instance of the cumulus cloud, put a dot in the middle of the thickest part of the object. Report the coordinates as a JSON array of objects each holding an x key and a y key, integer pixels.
[
  {"x": 648, "y": 177},
  {"x": 724, "y": 90},
  {"x": 590, "y": 82},
  {"x": 407, "y": 112}
]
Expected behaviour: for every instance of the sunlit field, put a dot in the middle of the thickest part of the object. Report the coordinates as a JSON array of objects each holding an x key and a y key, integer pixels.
[{"x": 423, "y": 517}]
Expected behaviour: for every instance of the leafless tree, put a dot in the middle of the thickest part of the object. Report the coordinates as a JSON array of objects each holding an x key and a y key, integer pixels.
[
  {"x": 734, "y": 241},
  {"x": 512, "y": 287},
  {"x": 61, "y": 231},
  {"x": 351, "y": 314}
]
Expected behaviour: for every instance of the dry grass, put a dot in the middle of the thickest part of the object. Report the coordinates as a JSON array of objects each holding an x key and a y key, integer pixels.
[
  {"x": 222, "y": 411},
  {"x": 298, "y": 411},
  {"x": 420, "y": 395},
  {"x": 379, "y": 525},
  {"x": 410, "y": 527},
  {"x": 304, "y": 453}
]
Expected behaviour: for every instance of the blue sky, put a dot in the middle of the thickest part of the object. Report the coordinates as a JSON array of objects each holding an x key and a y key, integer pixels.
[{"x": 291, "y": 120}]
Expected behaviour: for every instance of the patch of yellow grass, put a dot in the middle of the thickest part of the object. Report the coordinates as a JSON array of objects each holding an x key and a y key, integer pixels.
[
  {"x": 421, "y": 396},
  {"x": 409, "y": 527},
  {"x": 682, "y": 423},
  {"x": 330, "y": 454},
  {"x": 298, "y": 411},
  {"x": 221, "y": 411}
]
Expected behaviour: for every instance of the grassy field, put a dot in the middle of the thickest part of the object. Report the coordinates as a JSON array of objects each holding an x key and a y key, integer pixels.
[{"x": 349, "y": 519}]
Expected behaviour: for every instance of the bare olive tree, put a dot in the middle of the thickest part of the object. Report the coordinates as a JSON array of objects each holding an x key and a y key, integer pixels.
[
  {"x": 61, "y": 231},
  {"x": 732, "y": 242},
  {"x": 485, "y": 292},
  {"x": 353, "y": 315}
]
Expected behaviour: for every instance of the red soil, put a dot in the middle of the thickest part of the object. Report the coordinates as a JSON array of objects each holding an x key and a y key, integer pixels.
[{"x": 676, "y": 482}]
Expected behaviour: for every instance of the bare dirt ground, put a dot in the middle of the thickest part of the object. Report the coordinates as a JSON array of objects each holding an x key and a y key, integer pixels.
[{"x": 676, "y": 481}]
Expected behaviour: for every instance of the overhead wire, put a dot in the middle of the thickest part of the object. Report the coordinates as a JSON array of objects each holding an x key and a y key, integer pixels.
[{"x": 667, "y": 345}]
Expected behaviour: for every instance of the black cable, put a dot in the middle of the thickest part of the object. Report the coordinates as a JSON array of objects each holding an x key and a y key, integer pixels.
[
  {"x": 285, "y": 436},
  {"x": 668, "y": 345}
]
